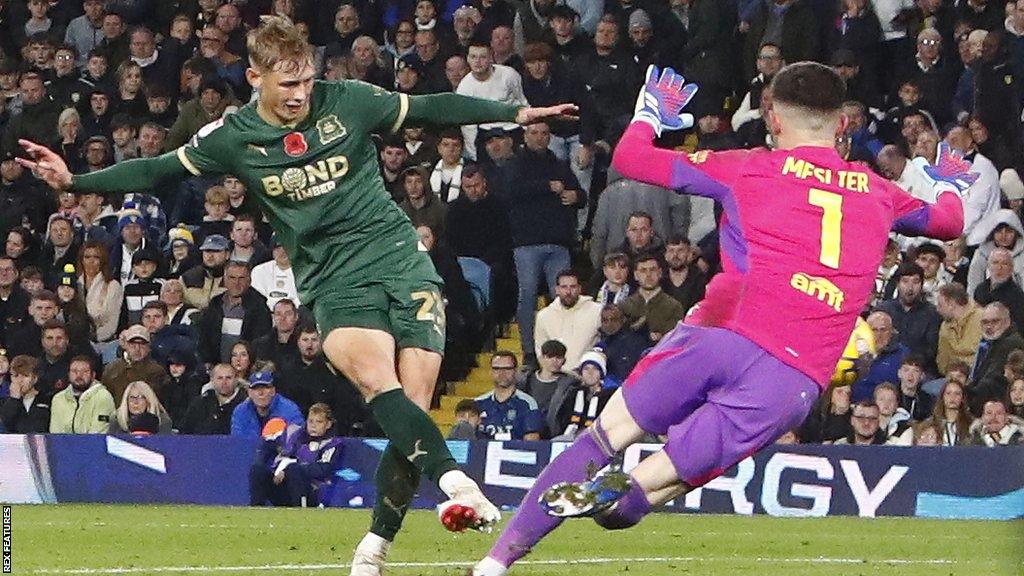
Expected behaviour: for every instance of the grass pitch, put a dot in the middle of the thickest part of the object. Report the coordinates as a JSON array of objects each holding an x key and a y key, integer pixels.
[{"x": 168, "y": 540}]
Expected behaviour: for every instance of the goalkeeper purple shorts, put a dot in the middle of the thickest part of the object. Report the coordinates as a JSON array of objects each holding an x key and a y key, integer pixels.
[{"x": 717, "y": 396}]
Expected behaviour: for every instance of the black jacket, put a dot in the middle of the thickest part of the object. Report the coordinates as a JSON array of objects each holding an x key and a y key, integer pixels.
[
  {"x": 255, "y": 323},
  {"x": 918, "y": 327},
  {"x": 536, "y": 214},
  {"x": 206, "y": 416},
  {"x": 480, "y": 229},
  {"x": 284, "y": 356},
  {"x": 988, "y": 381},
  {"x": 1008, "y": 293},
  {"x": 17, "y": 420},
  {"x": 307, "y": 384},
  {"x": 13, "y": 311},
  {"x": 800, "y": 38}
]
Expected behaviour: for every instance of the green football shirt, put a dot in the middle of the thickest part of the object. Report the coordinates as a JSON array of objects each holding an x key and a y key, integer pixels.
[{"x": 318, "y": 181}]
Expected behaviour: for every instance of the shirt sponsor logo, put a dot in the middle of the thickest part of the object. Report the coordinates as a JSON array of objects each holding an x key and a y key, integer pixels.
[
  {"x": 309, "y": 181},
  {"x": 821, "y": 288}
]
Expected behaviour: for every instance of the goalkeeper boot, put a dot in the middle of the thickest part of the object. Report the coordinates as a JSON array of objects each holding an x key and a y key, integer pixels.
[
  {"x": 370, "y": 556},
  {"x": 467, "y": 507},
  {"x": 588, "y": 498}
]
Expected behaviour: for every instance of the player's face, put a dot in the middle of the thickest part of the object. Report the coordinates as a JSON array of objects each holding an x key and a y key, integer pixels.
[
  {"x": 568, "y": 291},
  {"x": 284, "y": 91}
]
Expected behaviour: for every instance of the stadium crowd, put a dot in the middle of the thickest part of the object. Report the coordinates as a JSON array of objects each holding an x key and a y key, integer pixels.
[{"x": 174, "y": 310}]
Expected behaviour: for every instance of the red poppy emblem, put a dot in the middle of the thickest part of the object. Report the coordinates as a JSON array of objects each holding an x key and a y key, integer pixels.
[{"x": 295, "y": 144}]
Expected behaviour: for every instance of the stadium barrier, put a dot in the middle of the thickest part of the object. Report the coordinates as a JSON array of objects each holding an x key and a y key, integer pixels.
[{"x": 962, "y": 483}]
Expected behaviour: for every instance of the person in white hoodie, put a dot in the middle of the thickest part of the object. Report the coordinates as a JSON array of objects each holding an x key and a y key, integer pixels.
[
  {"x": 1004, "y": 230},
  {"x": 571, "y": 319}
]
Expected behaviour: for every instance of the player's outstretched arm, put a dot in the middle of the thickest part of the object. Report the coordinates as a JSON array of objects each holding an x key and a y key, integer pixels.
[
  {"x": 950, "y": 178},
  {"x": 127, "y": 176},
  {"x": 447, "y": 109}
]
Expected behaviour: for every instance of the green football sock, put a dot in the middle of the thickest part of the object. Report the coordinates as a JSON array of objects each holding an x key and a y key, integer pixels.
[
  {"x": 396, "y": 481},
  {"x": 413, "y": 434}
]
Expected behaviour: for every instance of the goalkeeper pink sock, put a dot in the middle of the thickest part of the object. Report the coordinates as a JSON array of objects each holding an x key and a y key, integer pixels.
[{"x": 530, "y": 523}]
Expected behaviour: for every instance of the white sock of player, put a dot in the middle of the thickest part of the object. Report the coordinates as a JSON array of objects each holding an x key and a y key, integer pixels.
[
  {"x": 374, "y": 545},
  {"x": 489, "y": 567},
  {"x": 454, "y": 481}
]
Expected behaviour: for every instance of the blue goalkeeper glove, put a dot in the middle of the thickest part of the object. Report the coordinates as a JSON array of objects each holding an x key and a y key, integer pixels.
[
  {"x": 950, "y": 171},
  {"x": 662, "y": 100}
]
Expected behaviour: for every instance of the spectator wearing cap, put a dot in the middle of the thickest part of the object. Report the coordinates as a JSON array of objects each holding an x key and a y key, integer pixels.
[
  {"x": 422, "y": 206},
  {"x": 275, "y": 279},
  {"x": 263, "y": 404},
  {"x": 131, "y": 228},
  {"x": 205, "y": 281},
  {"x": 584, "y": 403},
  {"x": 507, "y": 413},
  {"x": 570, "y": 42},
  {"x": 209, "y": 105},
  {"x": 211, "y": 413},
  {"x": 143, "y": 288},
  {"x": 103, "y": 291},
  {"x": 139, "y": 399},
  {"x": 298, "y": 467},
  {"x": 492, "y": 82},
  {"x": 73, "y": 310},
  {"x": 85, "y": 406},
  {"x": 860, "y": 80},
  {"x": 498, "y": 150},
  {"x": 1013, "y": 189},
  {"x": 792, "y": 26},
  {"x": 464, "y": 22},
  {"x": 245, "y": 246},
  {"x": 84, "y": 32},
  {"x": 60, "y": 248},
  {"x": 182, "y": 254},
  {"x": 135, "y": 363},
  {"x": 645, "y": 48},
  {"x": 1004, "y": 230},
  {"x": 915, "y": 319},
  {"x": 408, "y": 73},
  {"x": 38, "y": 118},
  {"x": 25, "y": 410},
  {"x": 239, "y": 313}
]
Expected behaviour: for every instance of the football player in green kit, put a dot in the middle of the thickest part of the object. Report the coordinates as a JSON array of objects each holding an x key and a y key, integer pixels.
[{"x": 304, "y": 146}]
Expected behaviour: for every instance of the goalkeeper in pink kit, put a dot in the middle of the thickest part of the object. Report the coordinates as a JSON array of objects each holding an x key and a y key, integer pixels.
[{"x": 802, "y": 236}]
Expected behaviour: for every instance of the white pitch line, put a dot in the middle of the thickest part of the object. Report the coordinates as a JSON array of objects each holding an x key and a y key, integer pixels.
[{"x": 641, "y": 560}]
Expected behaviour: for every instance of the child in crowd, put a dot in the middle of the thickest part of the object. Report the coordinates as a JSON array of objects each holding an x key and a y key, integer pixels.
[
  {"x": 549, "y": 385},
  {"x": 467, "y": 421}
]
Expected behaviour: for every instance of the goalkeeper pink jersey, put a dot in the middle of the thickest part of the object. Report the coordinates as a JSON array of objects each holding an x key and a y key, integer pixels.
[{"x": 802, "y": 235}]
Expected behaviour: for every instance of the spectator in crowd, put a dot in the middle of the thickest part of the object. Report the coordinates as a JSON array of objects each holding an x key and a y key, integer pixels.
[
  {"x": 172, "y": 295},
  {"x": 32, "y": 280},
  {"x": 92, "y": 216},
  {"x": 998, "y": 339},
  {"x": 616, "y": 286},
  {"x": 790, "y": 25},
  {"x": 218, "y": 220},
  {"x": 103, "y": 291},
  {"x": 14, "y": 300},
  {"x": 211, "y": 413},
  {"x": 478, "y": 227},
  {"x": 506, "y": 412},
  {"x": 206, "y": 281},
  {"x": 280, "y": 345},
  {"x": 830, "y": 418},
  {"x": 167, "y": 339},
  {"x": 53, "y": 363},
  {"x": 583, "y": 403},
  {"x": 935, "y": 72},
  {"x": 622, "y": 346},
  {"x": 142, "y": 288},
  {"x": 72, "y": 307},
  {"x": 423, "y": 207},
  {"x": 131, "y": 226},
  {"x": 610, "y": 77},
  {"x": 542, "y": 197},
  {"x": 548, "y": 385},
  {"x": 84, "y": 32},
  {"x": 927, "y": 433},
  {"x": 960, "y": 332},
  {"x": 1003, "y": 231},
  {"x": 38, "y": 117},
  {"x": 685, "y": 281},
  {"x": 275, "y": 279},
  {"x": 929, "y": 257},
  {"x": 641, "y": 238},
  {"x": 1016, "y": 398},
  {"x": 297, "y": 466},
  {"x": 982, "y": 203},
  {"x": 467, "y": 421},
  {"x": 135, "y": 364},
  {"x": 25, "y": 410},
  {"x": 243, "y": 359},
  {"x": 769, "y": 62},
  {"x": 263, "y": 404},
  {"x": 864, "y": 424},
  {"x": 492, "y": 81},
  {"x": 25, "y": 337},
  {"x": 951, "y": 415},
  {"x": 22, "y": 247},
  {"x": 996, "y": 427},
  {"x": 393, "y": 156},
  {"x": 893, "y": 420},
  {"x": 651, "y": 309},
  {"x": 61, "y": 248},
  {"x": 245, "y": 246},
  {"x": 446, "y": 176},
  {"x": 85, "y": 406},
  {"x": 1000, "y": 286},
  {"x": 913, "y": 398},
  {"x": 184, "y": 384},
  {"x": 571, "y": 319},
  {"x": 138, "y": 398},
  {"x": 916, "y": 321},
  {"x": 240, "y": 313},
  {"x": 858, "y": 74}
]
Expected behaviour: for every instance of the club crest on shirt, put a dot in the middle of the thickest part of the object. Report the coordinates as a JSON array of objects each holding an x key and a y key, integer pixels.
[
  {"x": 329, "y": 129},
  {"x": 295, "y": 144}
]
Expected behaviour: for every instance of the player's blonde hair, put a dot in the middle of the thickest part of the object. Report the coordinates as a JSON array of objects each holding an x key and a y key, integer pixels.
[{"x": 275, "y": 41}]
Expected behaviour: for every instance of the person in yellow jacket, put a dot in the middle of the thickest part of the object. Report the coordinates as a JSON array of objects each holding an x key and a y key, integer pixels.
[{"x": 85, "y": 406}]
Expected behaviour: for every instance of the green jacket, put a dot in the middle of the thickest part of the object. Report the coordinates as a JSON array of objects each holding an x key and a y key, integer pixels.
[{"x": 90, "y": 413}]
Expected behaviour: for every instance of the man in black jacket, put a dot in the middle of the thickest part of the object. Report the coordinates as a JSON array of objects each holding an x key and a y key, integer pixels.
[
  {"x": 240, "y": 313},
  {"x": 280, "y": 345},
  {"x": 915, "y": 319},
  {"x": 13, "y": 298},
  {"x": 26, "y": 410},
  {"x": 998, "y": 339},
  {"x": 609, "y": 78},
  {"x": 543, "y": 197},
  {"x": 211, "y": 413}
]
